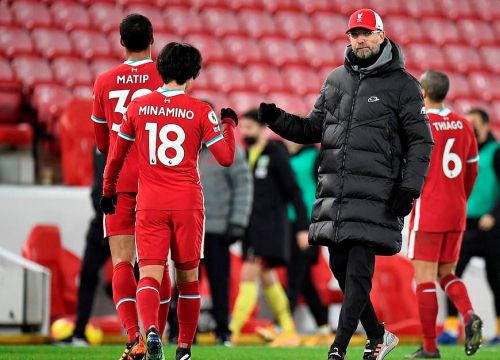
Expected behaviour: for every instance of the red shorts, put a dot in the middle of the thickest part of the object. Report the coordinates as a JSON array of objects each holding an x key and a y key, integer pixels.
[
  {"x": 122, "y": 222},
  {"x": 181, "y": 231},
  {"x": 435, "y": 247}
]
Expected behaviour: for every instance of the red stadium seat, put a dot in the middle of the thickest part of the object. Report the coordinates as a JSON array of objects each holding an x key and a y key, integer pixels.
[
  {"x": 277, "y": 6},
  {"x": 77, "y": 142},
  {"x": 215, "y": 98},
  {"x": 423, "y": 9},
  {"x": 459, "y": 87},
  {"x": 115, "y": 47},
  {"x": 264, "y": 78},
  {"x": 459, "y": 9},
  {"x": 6, "y": 72},
  {"x": 184, "y": 21},
  {"x": 296, "y": 25},
  {"x": 310, "y": 100},
  {"x": 15, "y": 42},
  {"x": 50, "y": 100},
  {"x": 19, "y": 135},
  {"x": 319, "y": 53},
  {"x": 290, "y": 102},
  {"x": 90, "y": 44},
  {"x": 487, "y": 9},
  {"x": 162, "y": 39},
  {"x": 153, "y": 14},
  {"x": 244, "y": 100},
  {"x": 247, "y": 5},
  {"x": 477, "y": 32},
  {"x": 134, "y": 2},
  {"x": 32, "y": 71},
  {"x": 98, "y": 66},
  {"x": 485, "y": 86},
  {"x": 202, "y": 82},
  {"x": 317, "y": 6},
  {"x": 221, "y": 22},
  {"x": 10, "y": 94},
  {"x": 31, "y": 14},
  {"x": 105, "y": 17},
  {"x": 227, "y": 78},
  {"x": 281, "y": 52},
  {"x": 51, "y": 42},
  {"x": 83, "y": 92},
  {"x": 404, "y": 30},
  {"x": 423, "y": 57},
  {"x": 70, "y": 16},
  {"x": 490, "y": 56},
  {"x": 387, "y": 8},
  {"x": 6, "y": 18},
  {"x": 465, "y": 58},
  {"x": 441, "y": 31},
  {"x": 461, "y": 106},
  {"x": 348, "y": 7},
  {"x": 70, "y": 71},
  {"x": 203, "y": 5},
  {"x": 210, "y": 48},
  {"x": 330, "y": 26},
  {"x": 243, "y": 50},
  {"x": 303, "y": 79},
  {"x": 258, "y": 24}
]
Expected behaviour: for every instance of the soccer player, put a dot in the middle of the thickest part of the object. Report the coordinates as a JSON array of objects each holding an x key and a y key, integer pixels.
[
  {"x": 113, "y": 90},
  {"x": 168, "y": 128},
  {"x": 437, "y": 221}
]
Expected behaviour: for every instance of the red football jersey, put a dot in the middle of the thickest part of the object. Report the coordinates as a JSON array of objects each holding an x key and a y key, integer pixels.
[
  {"x": 452, "y": 172},
  {"x": 113, "y": 91},
  {"x": 169, "y": 127}
]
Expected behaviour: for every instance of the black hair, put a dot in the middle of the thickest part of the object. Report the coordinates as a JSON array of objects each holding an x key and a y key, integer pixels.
[
  {"x": 136, "y": 32},
  {"x": 437, "y": 85},
  {"x": 253, "y": 114},
  {"x": 482, "y": 114},
  {"x": 179, "y": 62}
]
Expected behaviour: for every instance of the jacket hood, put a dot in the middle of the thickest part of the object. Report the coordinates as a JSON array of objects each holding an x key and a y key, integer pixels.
[{"x": 390, "y": 59}]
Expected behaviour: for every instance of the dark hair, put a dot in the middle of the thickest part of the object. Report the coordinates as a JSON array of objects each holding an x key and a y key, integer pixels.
[
  {"x": 253, "y": 114},
  {"x": 437, "y": 85},
  {"x": 136, "y": 32},
  {"x": 482, "y": 114},
  {"x": 179, "y": 62}
]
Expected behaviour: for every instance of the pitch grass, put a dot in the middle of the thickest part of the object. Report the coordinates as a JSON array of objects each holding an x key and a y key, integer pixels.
[{"x": 50, "y": 352}]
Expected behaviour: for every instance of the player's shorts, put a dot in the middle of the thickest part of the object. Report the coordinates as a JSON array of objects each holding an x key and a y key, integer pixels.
[
  {"x": 443, "y": 247},
  {"x": 122, "y": 222},
  {"x": 179, "y": 231}
]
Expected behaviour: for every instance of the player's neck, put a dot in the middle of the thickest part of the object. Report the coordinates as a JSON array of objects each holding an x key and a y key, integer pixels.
[
  {"x": 433, "y": 105},
  {"x": 174, "y": 86},
  {"x": 141, "y": 55}
]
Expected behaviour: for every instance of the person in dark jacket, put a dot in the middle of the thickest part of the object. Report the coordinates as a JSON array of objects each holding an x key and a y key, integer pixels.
[
  {"x": 265, "y": 245},
  {"x": 375, "y": 151}
]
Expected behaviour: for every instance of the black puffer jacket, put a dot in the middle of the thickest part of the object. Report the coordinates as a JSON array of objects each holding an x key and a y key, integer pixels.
[{"x": 375, "y": 138}]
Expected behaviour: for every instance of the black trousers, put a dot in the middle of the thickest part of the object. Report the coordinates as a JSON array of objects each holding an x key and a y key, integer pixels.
[
  {"x": 217, "y": 265},
  {"x": 481, "y": 244},
  {"x": 353, "y": 267},
  {"x": 95, "y": 255},
  {"x": 300, "y": 282}
]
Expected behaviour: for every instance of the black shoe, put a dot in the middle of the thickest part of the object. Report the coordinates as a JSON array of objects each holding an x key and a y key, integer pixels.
[
  {"x": 335, "y": 353},
  {"x": 473, "y": 336},
  {"x": 422, "y": 354},
  {"x": 378, "y": 349},
  {"x": 154, "y": 345},
  {"x": 183, "y": 354}
]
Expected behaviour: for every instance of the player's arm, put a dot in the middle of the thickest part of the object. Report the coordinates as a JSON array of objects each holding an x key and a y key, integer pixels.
[
  {"x": 101, "y": 129},
  {"x": 471, "y": 168},
  {"x": 495, "y": 212},
  {"x": 222, "y": 146}
]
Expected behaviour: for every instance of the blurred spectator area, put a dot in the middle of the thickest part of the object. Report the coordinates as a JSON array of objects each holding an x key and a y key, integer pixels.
[{"x": 253, "y": 51}]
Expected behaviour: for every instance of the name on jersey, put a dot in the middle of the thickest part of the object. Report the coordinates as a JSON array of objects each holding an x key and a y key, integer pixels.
[
  {"x": 448, "y": 125},
  {"x": 166, "y": 111},
  {"x": 132, "y": 79}
]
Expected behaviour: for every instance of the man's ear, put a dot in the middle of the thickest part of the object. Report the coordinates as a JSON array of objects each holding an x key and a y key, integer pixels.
[{"x": 121, "y": 42}]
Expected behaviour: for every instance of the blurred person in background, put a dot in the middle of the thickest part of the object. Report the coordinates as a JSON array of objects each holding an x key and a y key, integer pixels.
[
  {"x": 482, "y": 234},
  {"x": 113, "y": 91},
  {"x": 227, "y": 193},
  {"x": 265, "y": 245},
  {"x": 95, "y": 255},
  {"x": 375, "y": 150},
  {"x": 304, "y": 162},
  {"x": 437, "y": 222}
]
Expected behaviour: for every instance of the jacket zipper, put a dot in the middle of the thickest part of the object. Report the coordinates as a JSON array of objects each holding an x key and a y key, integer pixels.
[{"x": 349, "y": 122}]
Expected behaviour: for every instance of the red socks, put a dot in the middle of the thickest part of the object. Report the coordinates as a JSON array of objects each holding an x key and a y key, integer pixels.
[
  {"x": 124, "y": 288},
  {"x": 456, "y": 291},
  {"x": 188, "y": 312},
  {"x": 165, "y": 295},
  {"x": 428, "y": 310},
  {"x": 148, "y": 302}
]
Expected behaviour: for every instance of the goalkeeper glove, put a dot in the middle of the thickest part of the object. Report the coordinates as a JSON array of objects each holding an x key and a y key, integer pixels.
[{"x": 108, "y": 204}]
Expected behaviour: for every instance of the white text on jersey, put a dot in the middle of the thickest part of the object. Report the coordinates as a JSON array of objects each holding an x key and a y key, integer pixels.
[
  {"x": 165, "y": 111},
  {"x": 448, "y": 125},
  {"x": 132, "y": 79}
]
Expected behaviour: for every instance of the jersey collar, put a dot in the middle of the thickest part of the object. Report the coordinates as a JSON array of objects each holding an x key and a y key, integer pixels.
[
  {"x": 440, "y": 112},
  {"x": 168, "y": 93},
  {"x": 138, "y": 62}
]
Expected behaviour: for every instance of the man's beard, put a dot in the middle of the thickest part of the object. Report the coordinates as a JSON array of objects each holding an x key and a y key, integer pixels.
[{"x": 366, "y": 53}]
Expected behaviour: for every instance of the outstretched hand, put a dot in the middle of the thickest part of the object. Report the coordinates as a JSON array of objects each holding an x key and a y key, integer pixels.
[{"x": 268, "y": 113}]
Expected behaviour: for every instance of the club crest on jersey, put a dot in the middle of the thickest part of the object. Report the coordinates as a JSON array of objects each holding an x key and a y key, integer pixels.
[{"x": 213, "y": 118}]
